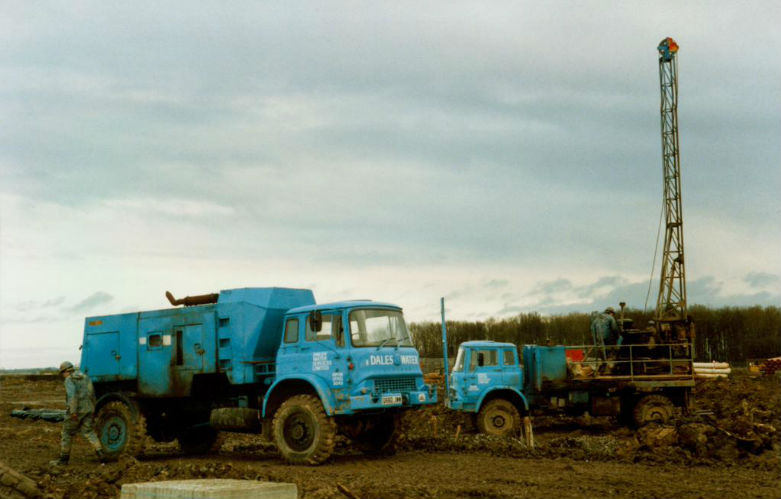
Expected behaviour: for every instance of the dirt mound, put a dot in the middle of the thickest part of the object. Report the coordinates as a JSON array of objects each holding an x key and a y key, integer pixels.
[{"x": 734, "y": 420}]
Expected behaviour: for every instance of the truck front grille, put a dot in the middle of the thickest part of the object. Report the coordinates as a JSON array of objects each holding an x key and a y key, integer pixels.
[{"x": 394, "y": 385}]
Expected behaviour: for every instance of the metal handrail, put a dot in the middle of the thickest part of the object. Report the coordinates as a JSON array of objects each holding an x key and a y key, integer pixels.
[{"x": 670, "y": 359}]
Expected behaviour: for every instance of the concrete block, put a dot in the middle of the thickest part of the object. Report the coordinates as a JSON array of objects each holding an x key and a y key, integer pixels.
[{"x": 209, "y": 488}]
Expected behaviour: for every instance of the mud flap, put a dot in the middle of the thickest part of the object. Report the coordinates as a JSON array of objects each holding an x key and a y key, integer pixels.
[{"x": 528, "y": 434}]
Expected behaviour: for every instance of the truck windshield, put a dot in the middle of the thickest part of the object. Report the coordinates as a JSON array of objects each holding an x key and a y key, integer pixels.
[
  {"x": 377, "y": 327},
  {"x": 459, "y": 366}
]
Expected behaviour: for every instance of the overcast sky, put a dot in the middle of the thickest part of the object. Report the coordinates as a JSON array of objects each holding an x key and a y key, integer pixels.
[{"x": 504, "y": 155}]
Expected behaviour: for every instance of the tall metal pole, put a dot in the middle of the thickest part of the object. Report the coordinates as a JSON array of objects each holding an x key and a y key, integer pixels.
[
  {"x": 444, "y": 346},
  {"x": 671, "y": 302}
]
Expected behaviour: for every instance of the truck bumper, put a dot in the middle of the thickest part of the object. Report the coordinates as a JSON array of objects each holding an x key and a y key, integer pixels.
[
  {"x": 460, "y": 405},
  {"x": 391, "y": 400}
]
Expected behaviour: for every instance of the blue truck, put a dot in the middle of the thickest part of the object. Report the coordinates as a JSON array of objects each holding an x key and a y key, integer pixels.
[
  {"x": 258, "y": 360},
  {"x": 640, "y": 381}
]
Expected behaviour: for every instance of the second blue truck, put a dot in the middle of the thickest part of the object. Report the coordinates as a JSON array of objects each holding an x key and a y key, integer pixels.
[{"x": 640, "y": 382}]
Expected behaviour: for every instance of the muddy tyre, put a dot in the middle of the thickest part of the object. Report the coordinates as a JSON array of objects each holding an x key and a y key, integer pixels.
[
  {"x": 303, "y": 432},
  {"x": 499, "y": 417},
  {"x": 380, "y": 438},
  {"x": 653, "y": 409},
  {"x": 202, "y": 440},
  {"x": 120, "y": 429}
]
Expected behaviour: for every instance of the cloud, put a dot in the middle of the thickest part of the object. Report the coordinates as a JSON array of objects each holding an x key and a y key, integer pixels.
[
  {"x": 170, "y": 207},
  {"x": 561, "y": 297},
  {"x": 240, "y": 138},
  {"x": 763, "y": 280},
  {"x": 95, "y": 299},
  {"x": 497, "y": 284},
  {"x": 32, "y": 305},
  {"x": 549, "y": 287},
  {"x": 465, "y": 292},
  {"x": 600, "y": 287},
  {"x": 509, "y": 310},
  {"x": 30, "y": 319}
]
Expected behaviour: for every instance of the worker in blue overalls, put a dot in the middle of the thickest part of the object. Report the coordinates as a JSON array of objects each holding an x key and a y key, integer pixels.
[{"x": 605, "y": 332}]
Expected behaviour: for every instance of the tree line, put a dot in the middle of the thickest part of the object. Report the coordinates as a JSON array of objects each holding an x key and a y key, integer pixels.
[{"x": 731, "y": 334}]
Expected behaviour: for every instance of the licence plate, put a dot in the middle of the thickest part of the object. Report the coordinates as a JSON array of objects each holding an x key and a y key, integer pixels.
[{"x": 391, "y": 399}]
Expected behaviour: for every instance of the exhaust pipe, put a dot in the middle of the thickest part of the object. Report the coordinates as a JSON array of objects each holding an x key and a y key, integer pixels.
[{"x": 190, "y": 301}]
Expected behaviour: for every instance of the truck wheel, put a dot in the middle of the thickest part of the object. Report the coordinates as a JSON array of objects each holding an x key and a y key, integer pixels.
[
  {"x": 653, "y": 409},
  {"x": 380, "y": 438},
  {"x": 203, "y": 440},
  {"x": 119, "y": 431},
  {"x": 499, "y": 417},
  {"x": 303, "y": 432}
]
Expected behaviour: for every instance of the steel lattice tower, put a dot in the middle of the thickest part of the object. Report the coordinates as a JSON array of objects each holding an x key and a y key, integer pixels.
[{"x": 671, "y": 303}]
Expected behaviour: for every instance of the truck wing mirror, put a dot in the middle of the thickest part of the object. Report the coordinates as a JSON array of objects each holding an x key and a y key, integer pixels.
[{"x": 316, "y": 321}]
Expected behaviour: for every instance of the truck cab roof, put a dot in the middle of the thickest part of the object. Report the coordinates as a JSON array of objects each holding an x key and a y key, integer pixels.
[
  {"x": 486, "y": 344},
  {"x": 343, "y": 305}
]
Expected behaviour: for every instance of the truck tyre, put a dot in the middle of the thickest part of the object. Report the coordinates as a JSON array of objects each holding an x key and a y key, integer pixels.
[
  {"x": 380, "y": 439},
  {"x": 202, "y": 440},
  {"x": 499, "y": 417},
  {"x": 303, "y": 432},
  {"x": 119, "y": 430},
  {"x": 653, "y": 409}
]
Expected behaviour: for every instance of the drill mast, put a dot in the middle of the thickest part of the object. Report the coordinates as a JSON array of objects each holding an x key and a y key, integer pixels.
[{"x": 671, "y": 302}]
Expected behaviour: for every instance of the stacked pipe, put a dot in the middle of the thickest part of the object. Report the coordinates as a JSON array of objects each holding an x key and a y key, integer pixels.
[{"x": 711, "y": 369}]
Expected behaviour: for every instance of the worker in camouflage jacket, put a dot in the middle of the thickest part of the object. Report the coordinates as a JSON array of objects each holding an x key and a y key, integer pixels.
[{"x": 79, "y": 412}]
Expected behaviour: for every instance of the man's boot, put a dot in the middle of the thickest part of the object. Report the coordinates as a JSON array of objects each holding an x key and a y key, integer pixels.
[
  {"x": 61, "y": 461},
  {"x": 101, "y": 455}
]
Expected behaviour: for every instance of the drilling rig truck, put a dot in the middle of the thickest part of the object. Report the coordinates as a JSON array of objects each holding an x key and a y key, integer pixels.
[{"x": 641, "y": 378}]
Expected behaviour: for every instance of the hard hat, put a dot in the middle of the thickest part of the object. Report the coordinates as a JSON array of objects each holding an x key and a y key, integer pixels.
[
  {"x": 66, "y": 366},
  {"x": 610, "y": 310}
]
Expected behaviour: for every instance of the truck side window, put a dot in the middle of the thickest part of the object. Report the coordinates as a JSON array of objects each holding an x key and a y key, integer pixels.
[
  {"x": 338, "y": 331},
  {"x": 509, "y": 358},
  {"x": 483, "y": 358},
  {"x": 291, "y": 331},
  {"x": 155, "y": 340},
  {"x": 332, "y": 325}
]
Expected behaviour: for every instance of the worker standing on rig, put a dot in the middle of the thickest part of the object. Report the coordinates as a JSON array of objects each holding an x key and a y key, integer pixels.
[
  {"x": 79, "y": 413},
  {"x": 605, "y": 333}
]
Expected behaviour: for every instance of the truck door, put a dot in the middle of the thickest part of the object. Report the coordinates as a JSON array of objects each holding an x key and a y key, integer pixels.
[
  {"x": 511, "y": 371},
  {"x": 483, "y": 371},
  {"x": 154, "y": 356},
  {"x": 190, "y": 357},
  {"x": 328, "y": 358},
  {"x": 102, "y": 353},
  {"x": 190, "y": 351}
]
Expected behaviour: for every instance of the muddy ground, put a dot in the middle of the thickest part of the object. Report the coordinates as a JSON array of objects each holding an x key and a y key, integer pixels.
[{"x": 728, "y": 447}]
